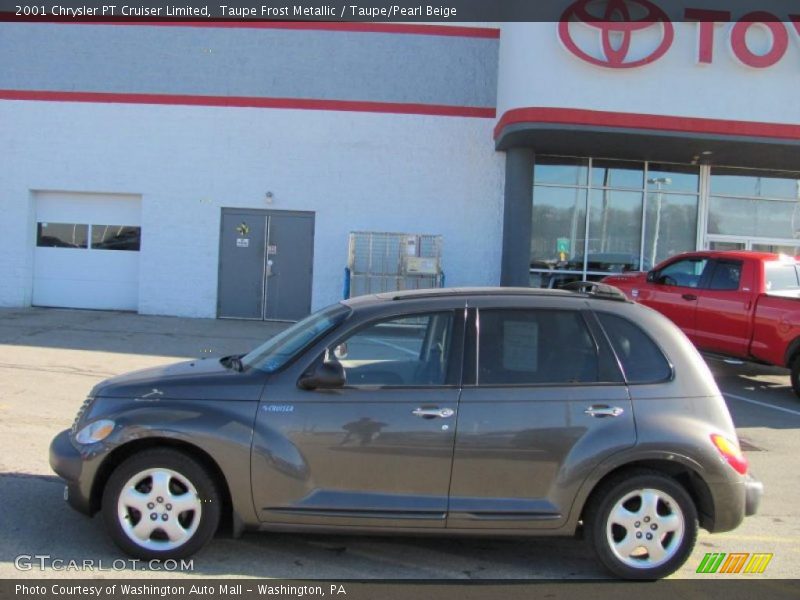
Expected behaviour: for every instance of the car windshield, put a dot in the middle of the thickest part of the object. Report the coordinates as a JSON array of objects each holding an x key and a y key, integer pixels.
[{"x": 276, "y": 352}]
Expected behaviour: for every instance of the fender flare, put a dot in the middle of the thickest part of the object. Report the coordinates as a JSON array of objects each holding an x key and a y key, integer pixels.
[{"x": 629, "y": 457}]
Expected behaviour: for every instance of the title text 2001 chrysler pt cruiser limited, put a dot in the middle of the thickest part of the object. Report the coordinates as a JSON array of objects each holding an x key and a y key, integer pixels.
[{"x": 468, "y": 411}]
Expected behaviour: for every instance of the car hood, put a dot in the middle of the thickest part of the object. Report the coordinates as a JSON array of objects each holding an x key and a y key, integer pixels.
[{"x": 202, "y": 379}]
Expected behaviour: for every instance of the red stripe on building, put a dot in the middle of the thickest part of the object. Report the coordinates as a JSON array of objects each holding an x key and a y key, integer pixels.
[
  {"x": 597, "y": 118},
  {"x": 248, "y": 102}
]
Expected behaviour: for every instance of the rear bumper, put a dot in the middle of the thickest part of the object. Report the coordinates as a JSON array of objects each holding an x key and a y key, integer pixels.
[
  {"x": 735, "y": 500},
  {"x": 754, "y": 489}
]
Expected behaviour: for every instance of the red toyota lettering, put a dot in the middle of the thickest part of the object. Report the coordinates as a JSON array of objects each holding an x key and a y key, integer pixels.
[
  {"x": 707, "y": 21},
  {"x": 779, "y": 35}
]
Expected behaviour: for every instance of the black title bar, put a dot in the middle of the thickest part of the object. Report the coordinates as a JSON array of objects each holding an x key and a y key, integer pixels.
[
  {"x": 277, "y": 589},
  {"x": 452, "y": 11}
]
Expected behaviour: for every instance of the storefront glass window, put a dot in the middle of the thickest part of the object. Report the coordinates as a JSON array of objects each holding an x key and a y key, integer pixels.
[
  {"x": 672, "y": 178},
  {"x": 617, "y": 174},
  {"x": 670, "y": 226},
  {"x": 637, "y": 216},
  {"x": 559, "y": 226},
  {"x": 615, "y": 231},
  {"x": 726, "y": 246},
  {"x": 759, "y": 209},
  {"x": 788, "y": 249},
  {"x": 758, "y": 184},
  {"x": 561, "y": 171},
  {"x": 753, "y": 217}
]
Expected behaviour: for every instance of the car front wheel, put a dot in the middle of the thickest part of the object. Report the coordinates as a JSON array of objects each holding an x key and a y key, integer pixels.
[
  {"x": 161, "y": 504},
  {"x": 642, "y": 525}
]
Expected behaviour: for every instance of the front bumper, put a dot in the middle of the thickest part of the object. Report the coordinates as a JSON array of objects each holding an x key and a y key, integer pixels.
[{"x": 68, "y": 463}]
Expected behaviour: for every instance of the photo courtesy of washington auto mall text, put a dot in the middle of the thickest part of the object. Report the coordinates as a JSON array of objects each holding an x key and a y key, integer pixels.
[
  {"x": 122, "y": 589},
  {"x": 399, "y": 300}
]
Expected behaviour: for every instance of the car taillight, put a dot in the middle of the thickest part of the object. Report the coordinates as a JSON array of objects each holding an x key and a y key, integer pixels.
[{"x": 730, "y": 452}]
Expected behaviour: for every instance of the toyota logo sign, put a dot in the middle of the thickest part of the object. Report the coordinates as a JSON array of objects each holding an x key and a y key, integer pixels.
[{"x": 620, "y": 25}]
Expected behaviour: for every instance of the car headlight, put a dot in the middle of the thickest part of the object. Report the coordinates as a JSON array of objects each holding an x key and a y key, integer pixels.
[{"x": 95, "y": 432}]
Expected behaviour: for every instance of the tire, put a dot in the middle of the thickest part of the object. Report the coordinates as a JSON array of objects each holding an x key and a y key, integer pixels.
[
  {"x": 161, "y": 504},
  {"x": 631, "y": 506},
  {"x": 795, "y": 375}
]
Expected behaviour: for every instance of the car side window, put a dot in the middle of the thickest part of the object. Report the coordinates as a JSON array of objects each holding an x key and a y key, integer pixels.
[
  {"x": 518, "y": 347},
  {"x": 685, "y": 273},
  {"x": 727, "y": 274},
  {"x": 406, "y": 351},
  {"x": 641, "y": 359}
]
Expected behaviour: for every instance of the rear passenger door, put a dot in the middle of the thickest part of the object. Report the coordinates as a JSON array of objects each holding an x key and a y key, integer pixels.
[
  {"x": 543, "y": 403},
  {"x": 724, "y": 310}
]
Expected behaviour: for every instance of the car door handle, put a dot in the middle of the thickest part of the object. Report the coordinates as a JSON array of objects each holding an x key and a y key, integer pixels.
[
  {"x": 433, "y": 413},
  {"x": 604, "y": 411},
  {"x": 689, "y": 297}
]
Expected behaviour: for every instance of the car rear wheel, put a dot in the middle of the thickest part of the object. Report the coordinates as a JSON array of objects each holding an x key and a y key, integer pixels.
[
  {"x": 161, "y": 504},
  {"x": 642, "y": 525},
  {"x": 795, "y": 375}
]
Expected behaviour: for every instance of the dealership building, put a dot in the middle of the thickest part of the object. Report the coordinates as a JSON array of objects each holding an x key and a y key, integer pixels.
[{"x": 261, "y": 170}]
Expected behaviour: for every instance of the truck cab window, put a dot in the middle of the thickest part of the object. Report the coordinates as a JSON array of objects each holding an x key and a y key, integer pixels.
[
  {"x": 684, "y": 273},
  {"x": 726, "y": 275}
]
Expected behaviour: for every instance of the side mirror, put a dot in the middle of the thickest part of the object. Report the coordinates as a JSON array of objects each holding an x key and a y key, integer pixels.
[
  {"x": 651, "y": 276},
  {"x": 324, "y": 375}
]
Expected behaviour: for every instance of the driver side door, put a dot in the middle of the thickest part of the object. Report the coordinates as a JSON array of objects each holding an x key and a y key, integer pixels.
[
  {"x": 376, "y": 452},
  {"x": 675, "y": 291}
]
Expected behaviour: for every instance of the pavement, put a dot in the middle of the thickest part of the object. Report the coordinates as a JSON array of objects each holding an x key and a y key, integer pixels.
[{"x": 50, "y": 359}]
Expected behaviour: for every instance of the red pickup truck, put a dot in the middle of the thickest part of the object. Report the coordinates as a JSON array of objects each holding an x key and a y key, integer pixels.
[{"x": 738, "y": 304}]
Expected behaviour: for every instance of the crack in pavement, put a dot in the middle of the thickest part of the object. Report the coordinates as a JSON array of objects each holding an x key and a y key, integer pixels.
[{"x": 63, "y": 370}]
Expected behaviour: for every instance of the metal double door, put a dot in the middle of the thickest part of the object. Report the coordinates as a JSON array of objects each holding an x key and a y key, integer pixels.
[{"x": 266, "y": 264}]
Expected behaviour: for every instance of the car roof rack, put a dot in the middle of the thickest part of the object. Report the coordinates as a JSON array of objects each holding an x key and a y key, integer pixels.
[
  {"x": 596, "y": 290},
  {"x": 468, "y": 291}
]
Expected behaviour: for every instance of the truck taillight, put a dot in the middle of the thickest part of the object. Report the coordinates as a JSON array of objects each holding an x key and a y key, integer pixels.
[{"x": 730, "y": 452}]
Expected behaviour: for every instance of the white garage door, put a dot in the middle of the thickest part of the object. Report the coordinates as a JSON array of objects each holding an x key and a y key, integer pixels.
[{"x": 87, "y": 250}]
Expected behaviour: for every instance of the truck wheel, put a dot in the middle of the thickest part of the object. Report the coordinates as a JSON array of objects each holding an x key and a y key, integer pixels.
[
  {"x": 641, "y": 525},
  {"x": 161, "y": 504},
  {"x": 795, "y": 375}
]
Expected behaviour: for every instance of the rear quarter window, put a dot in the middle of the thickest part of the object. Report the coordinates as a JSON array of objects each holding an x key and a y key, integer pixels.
[
  {"x": 782, "y": 277},
  {"x": 641, "y": 359},
  {"x": 536, "y": 347}
]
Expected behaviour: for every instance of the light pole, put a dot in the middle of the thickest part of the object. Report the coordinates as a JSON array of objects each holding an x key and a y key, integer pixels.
[
  {"x": 659, "y": 181},
  {"x": 795, "y": 215}
]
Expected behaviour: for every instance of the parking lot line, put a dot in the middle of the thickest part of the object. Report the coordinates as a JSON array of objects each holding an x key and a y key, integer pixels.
[{"x": 766, "y": 404}]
